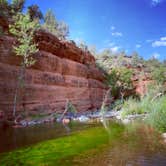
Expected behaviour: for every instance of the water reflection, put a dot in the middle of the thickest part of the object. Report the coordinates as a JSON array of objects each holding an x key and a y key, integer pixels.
[
  {"x": 13, "y": 138},
  {"x": 141, "y": 146}
]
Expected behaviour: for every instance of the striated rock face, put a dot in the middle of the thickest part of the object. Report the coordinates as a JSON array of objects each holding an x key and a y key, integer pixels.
[{"x": 62, "y": 71}]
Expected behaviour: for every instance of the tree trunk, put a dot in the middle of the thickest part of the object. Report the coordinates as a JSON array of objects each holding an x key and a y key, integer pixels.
[{"x": 19, "y": 81}]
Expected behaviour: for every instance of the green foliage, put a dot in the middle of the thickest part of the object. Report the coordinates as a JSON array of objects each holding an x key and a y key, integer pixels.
[
  {"x": 151, "y": 103},
  {"x": 117, "y": 105},
  {"x": 17, "y": 6},
  {"x": 143, "y": 105},
  {"x": 119, "y": 79},
  {"x": 157, "y": 116},
  {"x": 159, "y": 74},
  {"x": 62, "y": 30},
  {"x": 136, "y": 60},
  {"x": 72, "y": 108},
  {"x": 133, "y": 106},
  {"x": 83, "y": 46},
  {"x": 23, "y": 29},
  {"x": 50, "y": 22},
  {"x": 59, "y": 29},
  {"x": 8, "y": 10},
  {"x": 34, "y": 12},
  {"x": 4, "y": 7}
]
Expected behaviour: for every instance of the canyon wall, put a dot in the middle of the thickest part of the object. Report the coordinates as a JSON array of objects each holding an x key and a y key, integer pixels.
[{"x": 62, "y": 72}]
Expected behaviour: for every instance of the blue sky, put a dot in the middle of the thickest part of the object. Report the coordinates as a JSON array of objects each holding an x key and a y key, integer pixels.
[{"x": 130, "y": 25}]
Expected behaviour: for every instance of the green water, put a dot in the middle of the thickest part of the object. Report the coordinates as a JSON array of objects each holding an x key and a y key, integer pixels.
[{"x": 93, "y": 146}]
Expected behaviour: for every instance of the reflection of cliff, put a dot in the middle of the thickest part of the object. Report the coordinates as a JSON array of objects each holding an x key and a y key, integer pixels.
[{"x": 62, "y": 71}]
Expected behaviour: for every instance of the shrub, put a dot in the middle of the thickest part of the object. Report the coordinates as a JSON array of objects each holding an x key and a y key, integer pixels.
[
  {"x": 132, "y": 106},
  {"x": 157, "y": 116},
  {"x": 156, "y": 110}
]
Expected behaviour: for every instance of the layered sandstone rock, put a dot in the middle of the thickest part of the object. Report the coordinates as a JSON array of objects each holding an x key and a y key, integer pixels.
[{"x": 62, "y": 72}]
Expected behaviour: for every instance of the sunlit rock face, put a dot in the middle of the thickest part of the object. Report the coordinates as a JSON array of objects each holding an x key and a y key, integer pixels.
[
  {"x": 62, "y": 72},
  {"x": 141, "y": 80}
]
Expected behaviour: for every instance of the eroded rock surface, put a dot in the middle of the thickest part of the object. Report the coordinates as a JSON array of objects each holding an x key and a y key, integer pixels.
[{"x": 62, "y": 71}]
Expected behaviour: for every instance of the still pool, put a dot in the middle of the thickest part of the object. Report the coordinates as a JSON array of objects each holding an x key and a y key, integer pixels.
[{"x": 82, "y": 144}]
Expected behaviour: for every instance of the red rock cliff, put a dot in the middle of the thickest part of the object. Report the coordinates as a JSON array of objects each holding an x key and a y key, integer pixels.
[{"x": 62, "y": 71}]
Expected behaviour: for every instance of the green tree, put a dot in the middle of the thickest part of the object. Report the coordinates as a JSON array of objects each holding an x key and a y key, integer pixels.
[
  {"x": 59, "y": 29},
  {"x": 83, "y": 45},
  {"x": 119, "y": 79},
  {"x": 23, "y": 29},
  {"x": 50, "y": 22},
  {"x": 35, "y": 12},
  {"x": 93, "y": 50},
  {"x": 136, "y": 60},
  {"x": 17, "y": 6},
  {"x": 159, "y": 74},
  {"x": 9, "y": 9},
  {"x": 62, "y": 30},
  {"x": 152, "y": 64}
]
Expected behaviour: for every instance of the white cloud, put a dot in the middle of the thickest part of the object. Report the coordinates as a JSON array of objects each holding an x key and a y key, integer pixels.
[
  {"x": 117, "y": 34},
  {"x": 115, "y": 49},
  {"x": 156, "y": 2},
  {"x": 160, "y": 42},
  {"x": 138, "y": 46},
  {"x": 114, "y": 32},
  {"x": 155, "y": 55},
  {"x": 111, "y": 45},
  {"x": 163, "y": 38}
]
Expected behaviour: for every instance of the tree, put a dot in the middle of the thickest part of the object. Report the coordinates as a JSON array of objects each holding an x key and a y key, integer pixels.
[
  {"x": 17, "y": 6},
  {"x": 83, "y": 46},
  {"x": 50, "y": 22},
  {"x": 23, "y": 29},
  {"x": 59, "y": 29},
  {"x": 159, "y": 74},
  {"x": 120, "y": 81},
  {"x": 35, "y": 13},
  {"x": 93, "y": 50},
  {"x": 9, "y": 9},
  {"x": 152, "y": 64},
  {"x": 62, "y": 30},
  {"x": 4, "y": 7},
  {"x": 136, "y": 60}
]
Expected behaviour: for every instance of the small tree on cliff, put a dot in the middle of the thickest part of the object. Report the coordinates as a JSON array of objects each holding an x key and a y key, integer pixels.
[
  {"x": 23, "y": 29},
  {"x": 9, "y": 9},
  {"x": 35, "y": 12},
  {"x": 59, "y": 29}
]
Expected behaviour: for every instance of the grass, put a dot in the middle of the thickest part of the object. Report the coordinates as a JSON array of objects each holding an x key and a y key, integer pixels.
[
  {"x": 134, "y": 106},
  {"x": 50, "y": 153},
  {"x": 157, "y": 116},
  {"x": 155, "y": 107}
]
